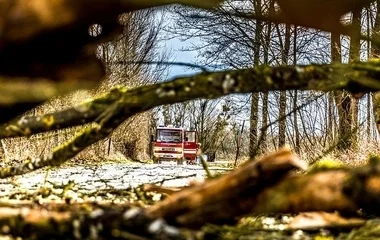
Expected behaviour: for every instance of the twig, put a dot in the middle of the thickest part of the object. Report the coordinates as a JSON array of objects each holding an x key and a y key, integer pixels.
[{"x": 205, "y": 166}]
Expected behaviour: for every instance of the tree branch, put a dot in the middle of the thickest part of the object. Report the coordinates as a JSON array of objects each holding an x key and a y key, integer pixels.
[
  {"x": 83, "y": 113},
  {"x": 357, "y": 78},
  {"x": 113, "y": 110}
]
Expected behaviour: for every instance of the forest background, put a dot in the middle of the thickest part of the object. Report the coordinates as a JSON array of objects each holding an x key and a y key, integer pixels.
[{"x": 313, "y": 123}]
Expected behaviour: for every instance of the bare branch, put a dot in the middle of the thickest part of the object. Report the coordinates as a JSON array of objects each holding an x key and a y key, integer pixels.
[{"x": 357, "y": 78}]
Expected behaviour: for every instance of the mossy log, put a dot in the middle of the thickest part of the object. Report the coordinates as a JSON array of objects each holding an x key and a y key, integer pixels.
[
  {"x": 131, "y": 223},
  {"x": 268, "y": 186},
  {"x": 223, "y": 199},
  {"x": 359, "y": 78}
]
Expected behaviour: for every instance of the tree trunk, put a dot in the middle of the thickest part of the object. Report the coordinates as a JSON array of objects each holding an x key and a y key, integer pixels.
[
  {"x": 342, "y": 100},
  {"x": 253, "y": 128},
  {"x": 369, "y": 117},
  {"x": 297, "y": 145},
  {"x": 253, "y": 144},
  {"x": 282, "y": 110},
  {"x": 167, "y": 118},
  {"x": 265, "y": 115},
  {"x": 331, "y": 118},
  {"x": 265, "y": 95},
  {"x": 369, "y": 95},
  {"x": 376, "y": 53},
  {"x": 354, "y": 57}
]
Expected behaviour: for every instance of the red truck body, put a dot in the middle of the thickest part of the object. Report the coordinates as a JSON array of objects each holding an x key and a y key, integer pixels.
[{"x": 175, "y": 144}]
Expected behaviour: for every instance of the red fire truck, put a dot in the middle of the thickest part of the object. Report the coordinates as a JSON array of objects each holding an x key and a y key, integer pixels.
[{"x": 175, "y": 144}]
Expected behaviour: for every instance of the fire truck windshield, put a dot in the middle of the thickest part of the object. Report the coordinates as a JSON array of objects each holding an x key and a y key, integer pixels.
[{"x": 164, "y": 135}]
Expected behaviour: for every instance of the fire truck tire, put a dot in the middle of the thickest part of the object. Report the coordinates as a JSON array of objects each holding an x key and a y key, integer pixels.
[{"x": 180, "y": 161}]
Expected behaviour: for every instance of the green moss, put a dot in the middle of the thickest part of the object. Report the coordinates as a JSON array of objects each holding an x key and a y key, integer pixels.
[
  {"x": 374, "y": 160},
  {"x": 324, "y": 238},
  {"x": 370, "y": 231},
  {"x": 325, "y": 164}
]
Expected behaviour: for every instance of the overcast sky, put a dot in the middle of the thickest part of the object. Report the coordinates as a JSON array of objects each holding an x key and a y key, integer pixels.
[{"x": 174, "y": 46}]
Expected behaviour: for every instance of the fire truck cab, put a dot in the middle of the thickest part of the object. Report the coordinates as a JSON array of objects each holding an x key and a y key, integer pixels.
[{"x": 174, "y": 144}]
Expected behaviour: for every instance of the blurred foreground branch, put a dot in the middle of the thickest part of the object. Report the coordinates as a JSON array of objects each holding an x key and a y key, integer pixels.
[{"x": 46, "y": 48}]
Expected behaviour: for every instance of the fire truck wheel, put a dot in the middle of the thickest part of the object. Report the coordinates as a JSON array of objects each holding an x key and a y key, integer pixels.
[{"x": 180, "y": 161}]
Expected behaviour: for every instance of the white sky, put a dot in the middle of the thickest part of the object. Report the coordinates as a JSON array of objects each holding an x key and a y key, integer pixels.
[{"x": 174, "y": 46}]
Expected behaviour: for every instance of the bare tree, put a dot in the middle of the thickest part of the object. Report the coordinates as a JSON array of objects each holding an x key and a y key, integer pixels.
[
  {"x": 376, "y": 53},
  {"x": 253, "y": 137},
  {"x": 225, "y": 40},
  {"x": 122, "y": 58}
]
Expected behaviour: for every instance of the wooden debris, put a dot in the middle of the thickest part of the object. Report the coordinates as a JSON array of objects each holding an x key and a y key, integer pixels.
[
  {"x": 223, "y": 199},
  {"x": 130, "y": 223},
  {"x": 343, "y": 190},
  {"x": 266, "y": 186},
  {"x": 160, "y": 189},
  {"x": 317, "y": 220}
]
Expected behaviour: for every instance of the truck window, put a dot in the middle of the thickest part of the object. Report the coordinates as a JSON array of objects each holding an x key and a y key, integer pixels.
[
  {"x": 164, "y": 135},
  {"x": 190, "y": 136}
]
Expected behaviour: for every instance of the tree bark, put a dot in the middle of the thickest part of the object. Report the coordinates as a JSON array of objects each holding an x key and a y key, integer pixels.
[
  {"x": 265, "y": 95},
  {"x": 282, "y": 105},
  {"x": 355, "y": 56},
  {"x": 376, "y": 54},
  {"x": 342, "y": 100},
  {"x": 273, "y": 189},
  {"x": 331, "y": 127},
  {"x": 297, "y": 145},
  {"x": 253, "y": 136}
]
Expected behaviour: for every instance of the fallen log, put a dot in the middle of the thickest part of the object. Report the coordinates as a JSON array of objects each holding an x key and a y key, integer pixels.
[
  {"x": 100, "y": 223},
  {"x": 138, "y": 223},
  {"x": 313, "y": 221},
  {"x": 223, "y": 199},
  {"x": 268, "y": 185},
  {"x": 159, "y": 189}
]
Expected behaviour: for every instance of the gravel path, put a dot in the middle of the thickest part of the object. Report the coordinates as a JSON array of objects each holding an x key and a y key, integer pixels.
[{"x": 119, "y": 176}]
